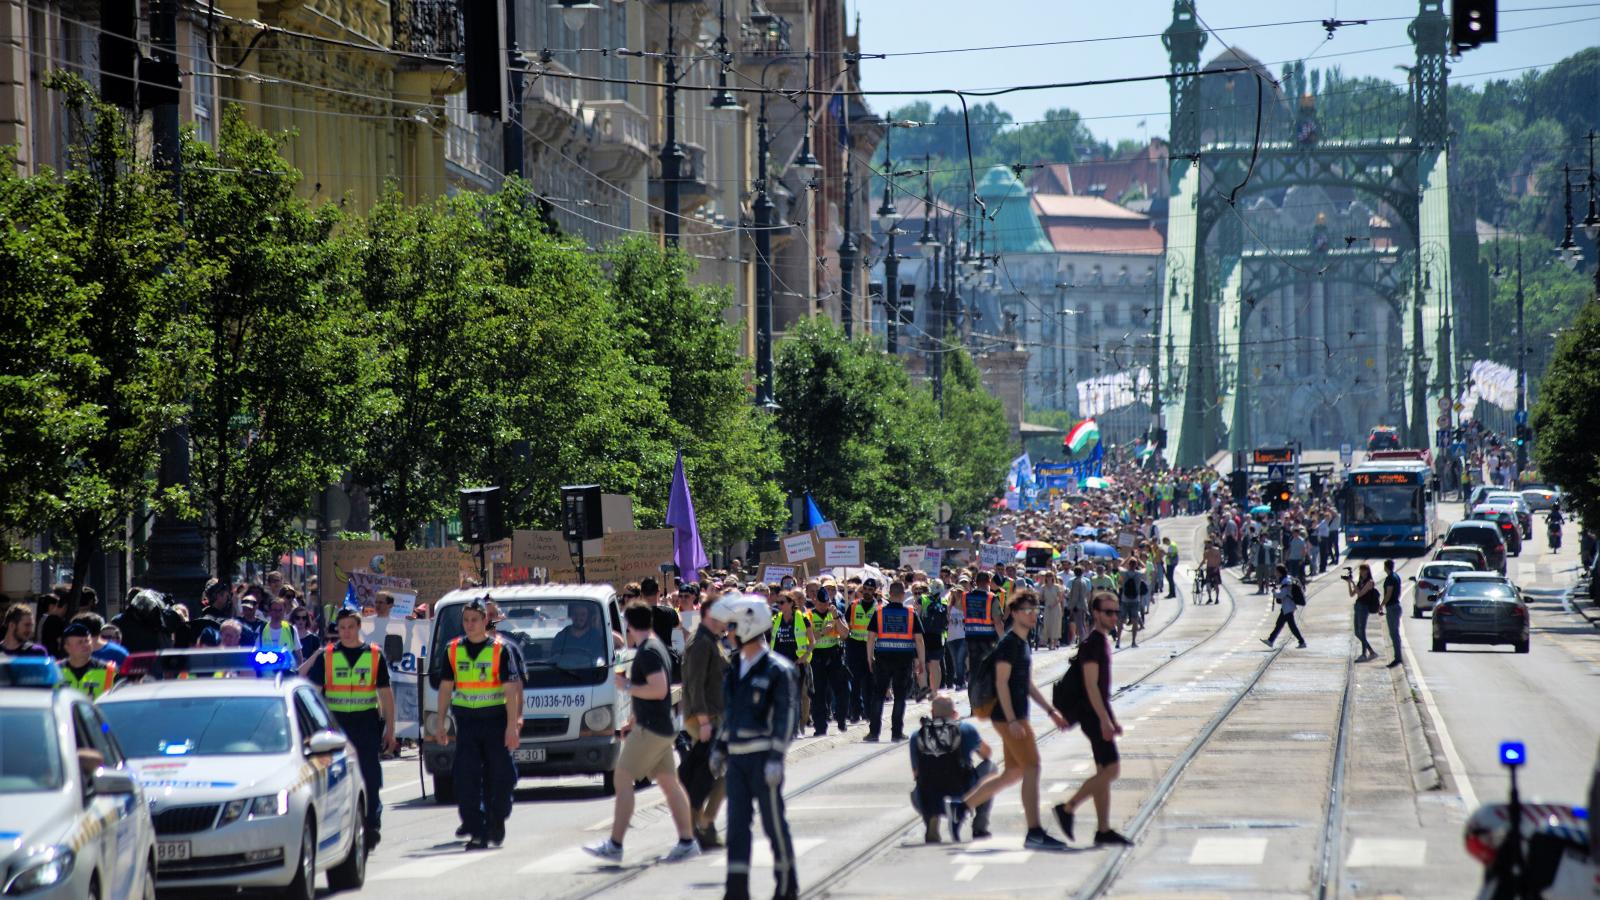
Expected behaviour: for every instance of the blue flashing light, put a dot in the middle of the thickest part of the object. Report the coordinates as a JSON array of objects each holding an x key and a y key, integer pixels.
[
  {"x": 29, "y": 671},
  {"x": 1581, "y": 814},
  {"x": 1513, "y": 753},
  {"x": 266, "y": 657}
]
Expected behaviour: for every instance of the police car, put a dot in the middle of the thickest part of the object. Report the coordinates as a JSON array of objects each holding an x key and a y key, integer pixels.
[
  {"x": 73, "y": 822},
  {"x": 250, "y": 781}
]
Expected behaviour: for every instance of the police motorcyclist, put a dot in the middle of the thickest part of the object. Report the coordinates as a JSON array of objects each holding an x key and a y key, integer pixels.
[
  {"x": 1553, "y": 523},
  {"x": 761, "y": 690}
]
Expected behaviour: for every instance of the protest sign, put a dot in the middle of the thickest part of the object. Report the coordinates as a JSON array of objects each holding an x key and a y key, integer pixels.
[
  {"x": 603, "y": 569},
  {"x": 932, "y": 560},
  {"x": 545, "y": 549},
  {"x": 405, "y": 669},
  {"x": 842, "y": 552},
  {"x": 336, "y": 559},
  {"x": 773, "y": 574},
  {"x": 799, "y": 547},
  {"x": 1125, "y": 541},
  {"x": 1008, "y": 534},
  {"x": 640, "y": 553},
  {"x": 405, "y": 603},
  {"x": 827, "y": 530},
  {"x": 367, "y": 585},
  {"x": 913, "y": 556},
  {"x": 995, "y": 554},
  {"x": 434, "y": 572}
]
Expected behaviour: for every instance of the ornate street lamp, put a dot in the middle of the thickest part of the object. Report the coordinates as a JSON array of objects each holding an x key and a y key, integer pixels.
[{"x": 574, "y": 12}]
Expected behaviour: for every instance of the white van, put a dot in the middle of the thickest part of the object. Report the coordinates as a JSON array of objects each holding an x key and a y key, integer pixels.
[{"x": 568, "y": 635}]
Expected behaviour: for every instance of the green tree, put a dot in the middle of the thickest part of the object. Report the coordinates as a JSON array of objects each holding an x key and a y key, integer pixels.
[
  {"x": 976, "y": 437},
  {"x": 681, "y": 345},
  {"x": 1567, "y": 415},
  {"x": 1061, "y": 138},
  {"x": 286, "y": 370},
  {"x": 857, "y": 436},
  {"x": 1551, "y": 295},
  {"x": 121, "y": 247}
]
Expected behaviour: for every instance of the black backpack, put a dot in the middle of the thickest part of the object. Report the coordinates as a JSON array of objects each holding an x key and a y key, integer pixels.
[
  {"x": 940, "y": 762},
  {"x": 1297, "y": 591},
  {"x": 936, "y": 618},
  {"x": 1130, "y": 588},
  {"x": 981, "y": 693},
  {"x": 1068, "y": 695}
]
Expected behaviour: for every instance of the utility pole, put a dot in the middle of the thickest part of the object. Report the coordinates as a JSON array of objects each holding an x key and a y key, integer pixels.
[
  {"x": 1522, "y": 372},
  {"x": 175, "y": 551},
  {"x": 936, "y": 340},
  {"x": 848, "y": 249},
  {"x": 763, "y": 208},
  {"x": 511, "y": 129},
  {"x": 671, "y": 151}
]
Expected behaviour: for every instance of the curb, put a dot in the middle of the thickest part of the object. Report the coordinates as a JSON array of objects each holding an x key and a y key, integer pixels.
[
  {"x": 1425, "y": 773},
  {"x": 1570, "y": 599}
]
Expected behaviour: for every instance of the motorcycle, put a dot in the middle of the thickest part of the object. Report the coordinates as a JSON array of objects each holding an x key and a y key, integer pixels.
[
  {"x": 1532, "y": 850},
  {"x": 1553, "y": 530}
]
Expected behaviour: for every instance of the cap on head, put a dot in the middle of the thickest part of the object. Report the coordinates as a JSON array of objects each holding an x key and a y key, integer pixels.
[{"x": 76, "y": 629}]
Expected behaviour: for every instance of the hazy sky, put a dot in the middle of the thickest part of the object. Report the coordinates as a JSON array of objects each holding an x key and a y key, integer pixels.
[{"x": 1545, "y": 32}]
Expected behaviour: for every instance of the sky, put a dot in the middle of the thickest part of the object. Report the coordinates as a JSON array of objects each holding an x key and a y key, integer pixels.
[{"x": 1533, "y": 33}]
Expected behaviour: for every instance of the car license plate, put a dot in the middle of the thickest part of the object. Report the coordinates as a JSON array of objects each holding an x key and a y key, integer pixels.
[
  {"x": 171, "y": 851},
  {"x": 528, "y": 754}
]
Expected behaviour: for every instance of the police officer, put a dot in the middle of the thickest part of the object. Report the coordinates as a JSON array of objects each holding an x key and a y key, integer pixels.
[
  {"x": 895, "y": 642},
  {"x": 81, "y": 670},
  {"x": 480, "y": 682},
  {"x": 984, "y": 620},
  {"x": 858, "y": 616},
  {"x": 355, "y": 683},
  {"x": 791, "y": 637},
  {"x": 832, "y": 697},
  {"x": 762, "y": 691}
]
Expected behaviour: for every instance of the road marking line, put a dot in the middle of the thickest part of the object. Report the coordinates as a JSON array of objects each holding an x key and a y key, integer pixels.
[
  {"x": 1001, "y": 858},
  {"x": 410, "y": 785},
  {"x": 1218, "y": 851},
  {"x": 1386, "y": 852},
  {"x": 572, "y": 859},
  {"x": 1080, "y": 768},
  {"x": 969, "y": 872},
  {"x": 1142, "y": 719},
  {"x": 761, "y": 853},
  {"x": 1059, "y": 787},
  {"x": 425, "y": 868},
  {"x": 1458, "y": 769}
]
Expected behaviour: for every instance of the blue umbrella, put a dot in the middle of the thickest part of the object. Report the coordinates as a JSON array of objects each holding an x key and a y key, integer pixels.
[
  {"x": 1098, "y": 548},
  {"x": 1086, "y": 531}
]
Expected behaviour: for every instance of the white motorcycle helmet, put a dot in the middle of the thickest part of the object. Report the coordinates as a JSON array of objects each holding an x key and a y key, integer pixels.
[{"x": 747, "y": 617}]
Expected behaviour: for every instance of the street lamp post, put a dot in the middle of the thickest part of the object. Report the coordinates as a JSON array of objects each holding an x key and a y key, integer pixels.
[
  {"x": 1568, "y": 248},
  {"x": 848, "y": 250},
  {"x": 672, "y": 154},
  {"x": 763, "y": 208},
  {"x": 1522, "y": 368},
  {"x": 889, "y": 217}
]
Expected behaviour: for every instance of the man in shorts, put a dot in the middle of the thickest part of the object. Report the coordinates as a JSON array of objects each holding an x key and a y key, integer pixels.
[
  {"x": 1099, "y": 726},
  {"x": 1213, "y": 572},
  {"x": 647, "y": 749},
  {"x": 1130, "y": 615}
]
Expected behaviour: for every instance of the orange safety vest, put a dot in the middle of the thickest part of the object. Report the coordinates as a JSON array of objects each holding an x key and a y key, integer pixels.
[
  {"x": 894, "y": 629},
  {"x": 979, "y": 623},
  {"x": 481, "y": 687}
]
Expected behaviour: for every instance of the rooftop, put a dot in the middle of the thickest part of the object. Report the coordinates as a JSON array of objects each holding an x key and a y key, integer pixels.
[{"x": 1083, "y": 207}]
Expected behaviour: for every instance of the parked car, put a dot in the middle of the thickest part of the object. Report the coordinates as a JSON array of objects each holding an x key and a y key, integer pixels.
[
  {"x": 1471, "y": 554},
  {"x": 1486, "y": 536},
  {"x": 1478, "y": 610},
  {"x": 1506, "y": 518},
  {"x": 1431, "y": 580}
]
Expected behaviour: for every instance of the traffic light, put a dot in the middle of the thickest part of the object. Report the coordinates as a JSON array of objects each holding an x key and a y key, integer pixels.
[
  {"x": 119, "y": 52},
  {"x": 1239, "y": 485},
  {"x": 1279, "y": 495},
  {"x": 1316, "y": 484},
  {"x": 1472, "y": 22},
  {"x": 485, "y": 58}
]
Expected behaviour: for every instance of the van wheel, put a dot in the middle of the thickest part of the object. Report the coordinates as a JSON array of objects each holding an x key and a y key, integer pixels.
[
  {"x": 1522, "y": 647},
  {"x": 608, "y": 783},
  {"x": 304, "y": 885},
  {"x": 444, "y": 789},
  {"x": 1438, "y": 645},
  {"x": 351, "y": 874}
]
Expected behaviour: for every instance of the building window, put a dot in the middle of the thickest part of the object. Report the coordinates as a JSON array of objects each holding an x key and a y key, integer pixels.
[
  {"x": 1110, "y": 313},
  {"x": 202, "y": 90}
]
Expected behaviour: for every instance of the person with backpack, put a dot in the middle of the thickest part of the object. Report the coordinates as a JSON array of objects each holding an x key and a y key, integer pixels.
[
  {"x": 1130, "y": 614},
  {"x": 1291, "y": 595},
  {"x": 1367, "y": 602},
  {"x": 1007, "y": 679},
  {"x": 943, "y": 769},
  {"x": 935, "y": 620},
  {"x": 1084, "y": 697}
]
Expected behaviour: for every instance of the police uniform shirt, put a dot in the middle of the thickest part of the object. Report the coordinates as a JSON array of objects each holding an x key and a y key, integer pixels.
[
  {"x": 318, "y": 674},
  {"x": 916, "y": 626},
  {"x": 443, "y": 666}
]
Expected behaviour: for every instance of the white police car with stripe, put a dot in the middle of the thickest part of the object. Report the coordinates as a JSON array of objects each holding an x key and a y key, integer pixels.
[
  {"x": 73, "y": 822},
  {"x": 251, "y": 783}
]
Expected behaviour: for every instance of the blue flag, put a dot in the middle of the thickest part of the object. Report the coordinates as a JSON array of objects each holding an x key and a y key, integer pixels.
[
  {"x": 814, "y": 516},
  {"x": 350, "y": 599}
]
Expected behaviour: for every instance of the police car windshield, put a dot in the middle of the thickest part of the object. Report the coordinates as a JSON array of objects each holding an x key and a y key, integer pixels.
[
  {"x": 29, "y": 757},
  {"x": 565, "y": 634},
  {"x": 200, "y": 726}
]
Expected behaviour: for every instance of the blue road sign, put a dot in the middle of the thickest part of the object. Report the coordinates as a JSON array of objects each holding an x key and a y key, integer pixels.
[{"x": 1522, "y": 417}]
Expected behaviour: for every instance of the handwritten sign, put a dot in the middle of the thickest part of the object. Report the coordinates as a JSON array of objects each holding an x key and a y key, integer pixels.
[
  {"x": 544, "y": 549},
  {"x": 337, "y": 559},
  {"x": 773, "y": 574},
  {"x": 827, "y": 530},
  {"x": 640, "y": 553},
  {"x": 912, "y": 557},
  {"x": 405, "y": 603},
  {"x": 842, "y": 552},
  {"x": 603, "y": 570},
  {"x": 799, "y": 547},
  {"x": 433, "y": 572},
  {"x": 931, "y": 561},
  {"x": 995, "y": 554},
  {"x": 367, "y": 586}
]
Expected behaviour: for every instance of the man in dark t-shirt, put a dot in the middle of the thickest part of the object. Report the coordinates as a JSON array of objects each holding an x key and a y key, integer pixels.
[
  {"x": 1014, "y": 687},
  {"x": 1099, "y": 725}
]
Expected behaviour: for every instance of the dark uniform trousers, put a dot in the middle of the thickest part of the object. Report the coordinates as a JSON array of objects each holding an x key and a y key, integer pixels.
[
  {"x": 855, "y": 659},
  {"x": 484, "y": 774},
  {"x": 831, "y": 698},
  {"x": 365, "y": 731},
  {"x": 894, "y": 671},
  {"x": 747, "y": 781}
]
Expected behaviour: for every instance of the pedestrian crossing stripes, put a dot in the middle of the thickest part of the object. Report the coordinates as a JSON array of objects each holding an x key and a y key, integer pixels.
[
  {"x": 1394, "y": 852},
  {"x": 1219, "y": 851},
  {"x": 427, "y": 867}
]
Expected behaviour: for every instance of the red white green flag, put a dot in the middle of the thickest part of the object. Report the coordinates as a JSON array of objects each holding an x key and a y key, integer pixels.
[{"x": 1082, "y": 437}]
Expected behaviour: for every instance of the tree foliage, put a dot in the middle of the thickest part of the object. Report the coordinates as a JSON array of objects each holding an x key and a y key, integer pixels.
[
  {"x": 1567, "y": 416},
  {"x": 284, "y": 377}
]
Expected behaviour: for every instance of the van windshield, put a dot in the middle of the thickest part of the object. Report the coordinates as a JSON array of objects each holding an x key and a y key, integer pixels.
[{"x": 562, "y": 641}]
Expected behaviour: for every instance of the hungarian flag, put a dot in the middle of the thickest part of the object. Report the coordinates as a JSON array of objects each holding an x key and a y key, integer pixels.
[{"x": 1082, "y": 437}]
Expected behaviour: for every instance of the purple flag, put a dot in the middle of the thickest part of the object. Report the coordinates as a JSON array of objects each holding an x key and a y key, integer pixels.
[{"x": 687, "y": 551}]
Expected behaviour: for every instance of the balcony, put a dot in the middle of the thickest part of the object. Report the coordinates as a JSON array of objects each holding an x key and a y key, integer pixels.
[
  {"x": 428, "y": 27},
  {"x": 694, "y": 186},
  {"x": 550, "y": 103},
  {"x": 623, "y": 138},
  {"x": 764, "y": 36}
]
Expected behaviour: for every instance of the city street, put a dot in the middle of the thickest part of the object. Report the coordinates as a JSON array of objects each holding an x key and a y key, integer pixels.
[{"x": 1229, "y": 754}]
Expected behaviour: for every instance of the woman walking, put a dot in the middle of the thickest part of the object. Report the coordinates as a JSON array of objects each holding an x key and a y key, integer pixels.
[{"x": 1366, "y": 593}]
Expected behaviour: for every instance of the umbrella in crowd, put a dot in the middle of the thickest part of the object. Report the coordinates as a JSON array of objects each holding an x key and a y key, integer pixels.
[
  {"x": 1260, "y": 509},
  {"x": 1099, "y": 549},
  {"x": 1086, "y": 531},
  {"x": 1024, "y": 545}
]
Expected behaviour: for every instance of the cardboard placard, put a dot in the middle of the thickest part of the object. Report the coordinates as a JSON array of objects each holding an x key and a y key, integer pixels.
[
  {"x": 913, "y": 556},
  {"x": 641, "y": 553},
  {"x": 799, "y": 547},
  {"x": 774, "y": 574},
  {"x": 932, "y": 561},
  {"x": 405, "y": 603},
  {"x": 603, "y": 570},
  {"x": 337, "y": 559},
  {"x": 827, "y": 530},
  {"x": 367, "y": 586},
  {"x": 540, "y": 549},
  {"x": 842, "y": 552},
  {"x": 433, "y": 572},
  {"x": 995, "y": 554}
]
